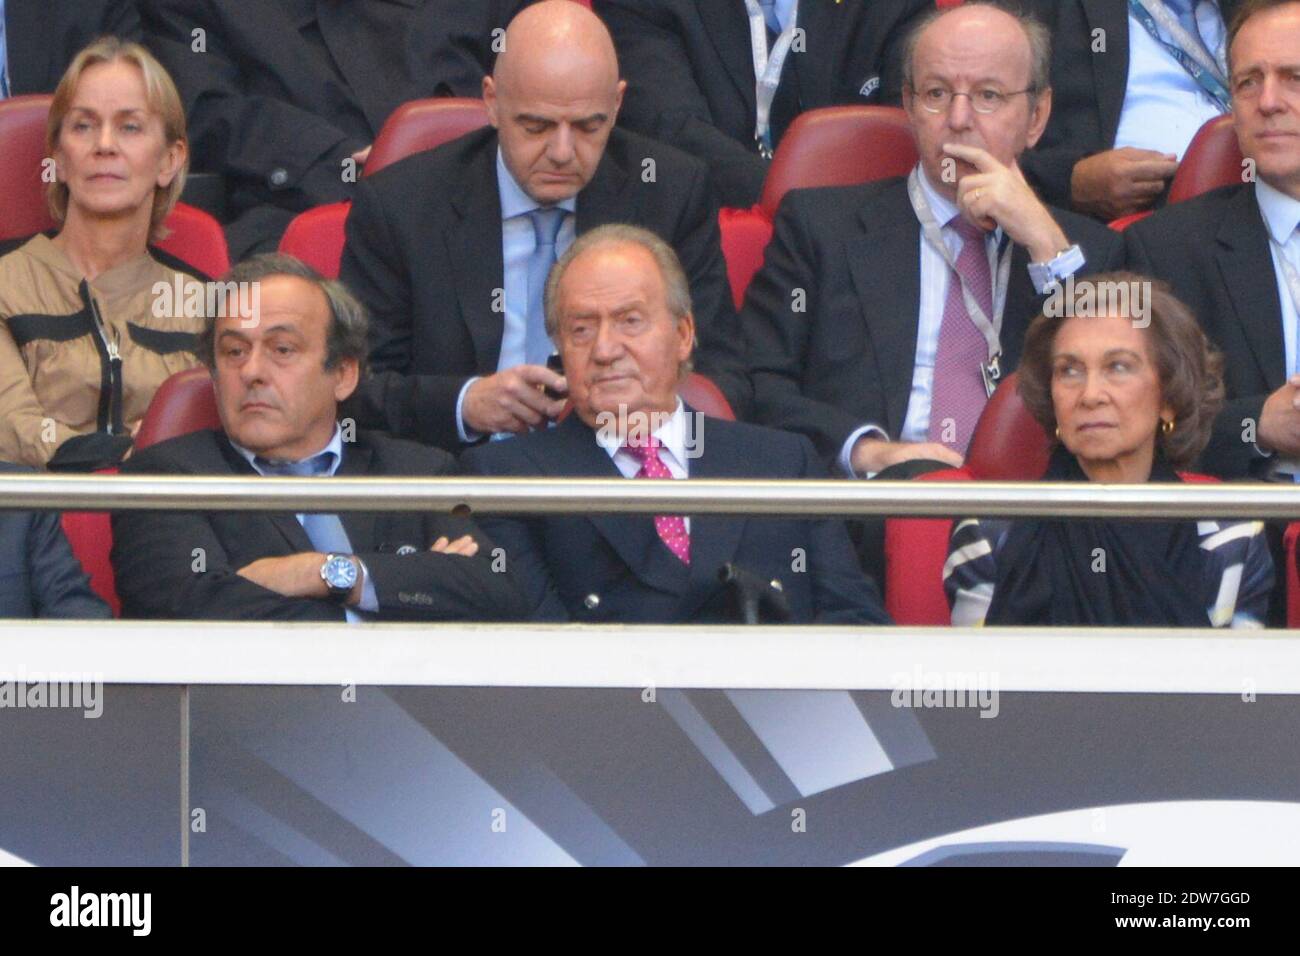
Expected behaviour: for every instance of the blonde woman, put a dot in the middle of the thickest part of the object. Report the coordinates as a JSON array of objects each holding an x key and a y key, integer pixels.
[{"x": 84, "y": 339}]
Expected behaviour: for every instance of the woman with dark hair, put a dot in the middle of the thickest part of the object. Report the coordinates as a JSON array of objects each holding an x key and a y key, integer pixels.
[{"x": 1128, "y": 385}]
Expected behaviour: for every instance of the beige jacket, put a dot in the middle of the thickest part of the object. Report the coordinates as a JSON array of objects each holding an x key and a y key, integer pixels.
[{"x": 78, "y": 357}]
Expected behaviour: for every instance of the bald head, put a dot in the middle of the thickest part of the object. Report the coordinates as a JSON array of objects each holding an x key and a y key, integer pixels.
[{"x": 553, "y": 98}]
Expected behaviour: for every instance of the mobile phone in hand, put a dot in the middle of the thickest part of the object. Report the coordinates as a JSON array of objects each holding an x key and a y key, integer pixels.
[{"x": 556, "y": 365}]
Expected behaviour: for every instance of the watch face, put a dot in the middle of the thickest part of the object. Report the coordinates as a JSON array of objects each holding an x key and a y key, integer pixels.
[{"x": 340, "y": 573}]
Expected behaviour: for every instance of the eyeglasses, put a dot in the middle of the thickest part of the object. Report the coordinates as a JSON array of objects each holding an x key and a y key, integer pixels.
[{"x": 985, "y": 100}]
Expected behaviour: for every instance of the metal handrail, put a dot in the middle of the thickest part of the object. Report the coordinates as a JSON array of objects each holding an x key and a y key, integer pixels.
[{"x": 615, "y": 496}]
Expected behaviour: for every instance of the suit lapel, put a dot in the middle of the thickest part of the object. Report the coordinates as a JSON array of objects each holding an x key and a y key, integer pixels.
[
  {"x": 826, "y": 28},
  {"x": 360, "y": 525},
  {"x": 1246, "y": 266},
  {"x": 1110, "y": 83},
  {"x": 574, "y": 452},
  {"x": 727, "y": 24},
  {"x": 286, "y": 525},
  {"x": 359, "y": 39},
  {"x": 714, "y": 538},
  {"x": 606, "y": 199},
  {"x": 475, "y": 249},
  {"x": 885, "y": 264}
]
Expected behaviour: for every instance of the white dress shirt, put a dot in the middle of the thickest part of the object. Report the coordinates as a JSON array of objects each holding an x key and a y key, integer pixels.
[
  {"x": 935, "y": 277},
  {"x": 518, "y": 242},
  {"x": 1163, "y": 106},
  {"x": 1281, "y": 215},
  {"x": 672, "y": 437}
]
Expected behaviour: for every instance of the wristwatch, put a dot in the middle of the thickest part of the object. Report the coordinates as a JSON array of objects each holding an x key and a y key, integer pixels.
[{"x": 340, "y": 573}]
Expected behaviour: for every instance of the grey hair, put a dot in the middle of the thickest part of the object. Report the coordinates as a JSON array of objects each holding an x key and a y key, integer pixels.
[
  {"x": 677, "y": 288},
  {"x": 348, "y": 336},
  {"x": 1036, "y": 32}
]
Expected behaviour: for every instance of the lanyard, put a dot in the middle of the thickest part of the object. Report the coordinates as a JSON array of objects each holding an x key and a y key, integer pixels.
[
  {"x": 1207, "y": 69},
  {"x": 767, "y": 68},
  {"x": 988, "y": 327},
  {"x": 1291, "y": 277}
]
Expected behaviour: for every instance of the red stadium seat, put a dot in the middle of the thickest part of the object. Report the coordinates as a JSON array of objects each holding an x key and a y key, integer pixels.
[
  {"x": 1213, "y": 159},
  {"x": 1289, "y": 541},
  {"x": 839, "y": 146},
  {"x": 700, "y": 393},
  {"x": 1008, "y": 445},
  {"x": 22, "y": 148},
  {"x": 422, "y": 125},
  {"x": 196, "y": 238},
  {"x": 317, "y": 237},
  {"x": 91, "y": 535},
  {"x": 745, "y": 234},
  {"x": 184, "y": 403}
]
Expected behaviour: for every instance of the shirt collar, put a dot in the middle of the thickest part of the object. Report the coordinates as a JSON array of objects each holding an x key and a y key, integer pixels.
[
  {"x": 1281, "y": 212},
  {"x": 671, "y": 435},
  {"x": 333, "y": 447},
  {"x": 944, "y": 209},
  {"x": 516, "y": 202}
]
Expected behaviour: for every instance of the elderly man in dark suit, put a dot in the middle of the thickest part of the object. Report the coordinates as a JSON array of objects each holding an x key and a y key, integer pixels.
[
  {"x": 1233, "y": 255},
  {"x": 449, "y": 248},
  {"x": 279, "y": 371},
  {"x": 618, "y": 306},
  {"x": 723, "y": 80},
  {"x": 39, "y": 574},
  {"x": 1131, "y": 86},
  {"x": 39, "y": 39},
  {"x": 884, "y": 314},
  {"x": 284, "y": 98}
]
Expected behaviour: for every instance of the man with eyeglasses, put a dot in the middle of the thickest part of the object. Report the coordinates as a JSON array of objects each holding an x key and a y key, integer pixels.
[{"x": 885, "y": 314}]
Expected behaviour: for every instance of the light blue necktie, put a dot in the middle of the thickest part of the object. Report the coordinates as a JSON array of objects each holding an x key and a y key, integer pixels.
[
  {"x": 769, "y": 14},
  {"x": 324, "y": 531},
  {"x": 546, "y": 227},
  {"x": 4, "y": 56}
]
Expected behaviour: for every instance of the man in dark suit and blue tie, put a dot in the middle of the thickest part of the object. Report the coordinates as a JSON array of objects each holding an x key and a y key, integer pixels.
[
  {"x": 279, "y": 371},
  {"x": 619, "y": 308},
  {"x": 446, "y": 247}
]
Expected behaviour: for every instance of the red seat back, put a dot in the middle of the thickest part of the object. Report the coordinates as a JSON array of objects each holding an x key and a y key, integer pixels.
[
  {"x": 422, "y": 125},
  {"x": 1289, "y": 541},
  {"x": 839, "y": 146},
  {"x": 1213, "y": 159},
  {"x": 22, "y": 149},
  {"x": 700, "y": 393},
  {"x": 184, "y": 403},
  {"x": 745, "y": 235},
  {"x": 196, "y": 238},
  {"x": 317, "y": 237},
  {"x": 90, "y": 533},
  {"x": 1008, "y": 444}
]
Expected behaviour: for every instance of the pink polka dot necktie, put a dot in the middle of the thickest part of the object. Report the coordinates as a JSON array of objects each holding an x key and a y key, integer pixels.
[{"x": 671, "y": 528}]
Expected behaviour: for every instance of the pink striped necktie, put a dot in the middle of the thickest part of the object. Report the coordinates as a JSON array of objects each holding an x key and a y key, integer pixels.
[
  {"x": 671, "y": 528},
  {"x": 957, "y": 396}
]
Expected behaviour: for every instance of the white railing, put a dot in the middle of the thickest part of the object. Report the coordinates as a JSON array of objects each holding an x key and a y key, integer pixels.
[{"x": 612, "y": 495}]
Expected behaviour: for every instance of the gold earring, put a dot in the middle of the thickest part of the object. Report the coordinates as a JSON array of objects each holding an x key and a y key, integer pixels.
[
  {"x": 1167, "y": 427},
  {"x": 1058, "y": 432}
]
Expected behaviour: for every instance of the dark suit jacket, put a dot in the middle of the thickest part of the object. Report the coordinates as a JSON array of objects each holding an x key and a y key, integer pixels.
[
  {"x": 282, "y": 95},
  {"x": 563, "y": 560},
  {"x": 451, "y": 43},
  {"x": 1087, "y": 89},
  {"x": 424, "y": 254},
  {"x": 154, "y": 553},
  {"x": 41, "y": 38},
  {"x": 1214, "y": 252},
  {"x": 39, "y": 574},
  {"x": 690, "y": 74},
  {"x": 848, "y": 358}
]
